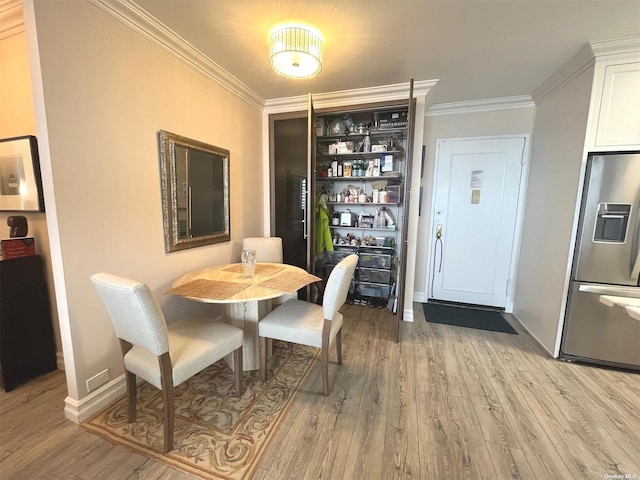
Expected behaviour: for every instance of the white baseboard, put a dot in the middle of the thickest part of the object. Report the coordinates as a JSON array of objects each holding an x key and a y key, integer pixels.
[
  {"x": 80, "y": 410},
  {"x": 407, "y": 315},
  {"x": 419, "y": 297}
]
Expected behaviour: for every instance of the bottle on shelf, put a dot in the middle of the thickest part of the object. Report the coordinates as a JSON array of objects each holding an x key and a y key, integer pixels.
[
  {"x": 339, "y": 172},
  {"x": 367, "y": 143}
]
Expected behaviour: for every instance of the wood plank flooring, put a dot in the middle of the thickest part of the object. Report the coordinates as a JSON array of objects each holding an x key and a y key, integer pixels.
[{"x": 444, "y": 403}]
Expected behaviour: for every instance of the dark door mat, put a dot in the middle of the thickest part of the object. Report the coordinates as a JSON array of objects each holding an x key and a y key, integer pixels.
[{"x": 466, "y": 317}]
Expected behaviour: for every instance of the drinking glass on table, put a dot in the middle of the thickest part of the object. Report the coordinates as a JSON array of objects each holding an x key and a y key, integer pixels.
[{"x": 249, "y": 262}]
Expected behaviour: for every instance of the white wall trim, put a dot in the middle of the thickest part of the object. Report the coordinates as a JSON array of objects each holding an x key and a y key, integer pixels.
[
  {"x": 485, "y": 105},
  {"x": 408, "y": 315},
  {"x": 616, "y": 46},
  {"x": 134, "y": 17},
  {"x": 80, "y": 410},
  {"x": 11, "y": 18},
  {"x": 384, "y": 93},
  {"x": 570, "y": 70}
]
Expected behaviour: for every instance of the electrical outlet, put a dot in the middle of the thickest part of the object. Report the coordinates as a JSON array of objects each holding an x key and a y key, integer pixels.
[{"x": 98, "y": 380}]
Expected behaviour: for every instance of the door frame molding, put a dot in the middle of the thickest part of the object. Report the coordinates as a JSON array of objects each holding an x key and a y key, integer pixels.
[{"x": 517, "y": 234}]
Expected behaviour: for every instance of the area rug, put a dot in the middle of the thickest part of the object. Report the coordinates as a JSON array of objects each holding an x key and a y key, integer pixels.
[
  {"x": 217, "y": 435},
  {"x": 466, "y": 317}
]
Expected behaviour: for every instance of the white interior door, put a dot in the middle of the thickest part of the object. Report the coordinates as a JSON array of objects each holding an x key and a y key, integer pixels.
[{"x": 476, "y": 197}]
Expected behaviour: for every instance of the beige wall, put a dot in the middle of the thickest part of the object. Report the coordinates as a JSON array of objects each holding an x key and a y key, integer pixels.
[
  {"x": 17, "y": 119},
  {"x": 514, "y": 121},
  {"x": 105, "y": 93},
  {"x": 554, "y": 179}
]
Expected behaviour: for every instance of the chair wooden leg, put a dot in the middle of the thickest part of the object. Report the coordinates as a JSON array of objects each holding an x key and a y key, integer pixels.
[
  {"x": 237, "y": 364},
  {"x": 131, "y": 396},
  {"x": 130, "y": 379},
  {"x": 166, "y": 378},
  {"x": 339, "y": 346},
  {"x": 324, "y": 356},
  {"x": 262, "y": 344}
]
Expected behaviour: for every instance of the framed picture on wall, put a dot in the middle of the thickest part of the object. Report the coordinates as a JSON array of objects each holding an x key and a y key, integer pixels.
[{"x": 20, "y": 181}]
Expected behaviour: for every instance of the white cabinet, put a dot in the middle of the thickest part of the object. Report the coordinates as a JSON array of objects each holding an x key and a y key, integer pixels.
[{"x": 618, "y": 115}]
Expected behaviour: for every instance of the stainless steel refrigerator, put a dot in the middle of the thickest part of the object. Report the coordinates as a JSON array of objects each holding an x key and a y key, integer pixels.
[{"x": 606, "y": 262}]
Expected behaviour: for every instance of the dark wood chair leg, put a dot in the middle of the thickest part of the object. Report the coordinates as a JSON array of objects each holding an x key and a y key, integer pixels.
[
  {"x": 166, "y": 378},
  {"x": 237, "y": 364},
  {"x": 131, "y": 396},
  {"x": 132, "y": 386},
  {"x": 324, "y": 356},
  {"x": 325, "y": 370},
  {"x": 262, "y": 344},
  {"x": 339, "y": 346}
]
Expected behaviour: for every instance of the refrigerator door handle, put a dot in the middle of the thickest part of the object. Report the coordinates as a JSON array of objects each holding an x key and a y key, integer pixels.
[
  {"x": 635, "y": 262},
  {"x": 635, "y": 270},
  {"x": 608, "y": 290}
]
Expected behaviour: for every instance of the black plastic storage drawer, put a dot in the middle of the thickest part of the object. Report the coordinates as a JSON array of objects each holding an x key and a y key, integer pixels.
[
  {"x": 375, "y": 260},
  {"x": 374, "y": 275},
  {"x": 339, "y": 254},
  {"x": 373, "y": 290}
]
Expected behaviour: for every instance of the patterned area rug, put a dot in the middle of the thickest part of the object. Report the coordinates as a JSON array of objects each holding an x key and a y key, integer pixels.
[{"x": 217, "y": 435}]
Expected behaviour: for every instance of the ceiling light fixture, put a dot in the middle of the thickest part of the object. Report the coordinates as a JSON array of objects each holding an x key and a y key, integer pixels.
[{"x": 295, "y": 51}]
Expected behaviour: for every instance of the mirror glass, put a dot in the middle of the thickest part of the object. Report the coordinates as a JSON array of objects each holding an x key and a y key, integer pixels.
[{"x": 195, "y": 192}]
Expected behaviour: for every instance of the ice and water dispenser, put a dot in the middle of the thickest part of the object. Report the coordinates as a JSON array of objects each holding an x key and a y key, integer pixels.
[{"x": 612, "y": 222}]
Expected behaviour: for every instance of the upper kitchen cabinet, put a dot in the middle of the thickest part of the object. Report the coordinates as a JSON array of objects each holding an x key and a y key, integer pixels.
[{"x": 616, "y": 100}]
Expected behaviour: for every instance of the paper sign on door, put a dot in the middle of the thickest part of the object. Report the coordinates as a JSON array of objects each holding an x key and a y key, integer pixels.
[{"x": 476, "y": 185}]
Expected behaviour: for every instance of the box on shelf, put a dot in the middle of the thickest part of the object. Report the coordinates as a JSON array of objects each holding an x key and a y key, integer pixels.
[
  {"x": 386, "y": 163},
  {"x": 340, "y": 147},
  {"x": 392, "y": 119},
  {"x": 366, "y": 221},
  {"x": 347, "y": 219},
  {"x": 393, "y": 193},
  {"x": 17, "y": 247}
]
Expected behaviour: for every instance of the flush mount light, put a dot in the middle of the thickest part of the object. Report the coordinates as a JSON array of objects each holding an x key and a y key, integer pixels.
[{"x": 295, "y": 51}]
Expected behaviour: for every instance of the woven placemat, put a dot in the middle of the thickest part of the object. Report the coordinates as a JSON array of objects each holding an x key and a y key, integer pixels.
[
  {"x": 264, "y": 269},
  {"x": 212, "y": 289},
  {"x": 291, "y": 282}
]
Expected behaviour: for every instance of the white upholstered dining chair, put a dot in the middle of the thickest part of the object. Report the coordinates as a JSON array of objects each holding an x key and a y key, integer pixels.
[
  {"x": 165, "y": 356},
  {"x": 309, "y": 324},
  {"x": 268, "y": 250}
]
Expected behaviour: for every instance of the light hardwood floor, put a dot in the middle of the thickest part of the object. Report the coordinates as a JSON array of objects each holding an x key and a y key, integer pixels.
[{"x": 444, "y": 403}]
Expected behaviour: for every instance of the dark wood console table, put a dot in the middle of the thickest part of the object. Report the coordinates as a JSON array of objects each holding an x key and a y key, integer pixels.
[{"x": 27, "y": 347}]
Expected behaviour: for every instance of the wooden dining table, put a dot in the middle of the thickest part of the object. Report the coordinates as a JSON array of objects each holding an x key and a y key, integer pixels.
[{"x": 246, "y": 299}]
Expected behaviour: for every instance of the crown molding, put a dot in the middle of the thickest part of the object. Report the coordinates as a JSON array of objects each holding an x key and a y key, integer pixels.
[
  {"x": 134, "y": 17},
  {"x": 11, "y": 18},
  {"x": 485, "y": 105},
  {"x": 616, "y": 46},
  {"x": 356, "y": 96},
  {"x": 580, "y": 62}
]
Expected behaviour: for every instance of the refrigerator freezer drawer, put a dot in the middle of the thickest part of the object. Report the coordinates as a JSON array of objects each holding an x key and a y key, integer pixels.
[{"x": 598, "y": 333}]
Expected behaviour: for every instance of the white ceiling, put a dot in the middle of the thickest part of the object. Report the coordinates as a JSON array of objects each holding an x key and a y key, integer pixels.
[{"x": 477, "y": 49}]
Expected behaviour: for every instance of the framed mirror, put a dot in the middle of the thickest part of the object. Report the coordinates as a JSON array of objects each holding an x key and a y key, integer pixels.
[{"x": 195, "y": 192}]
